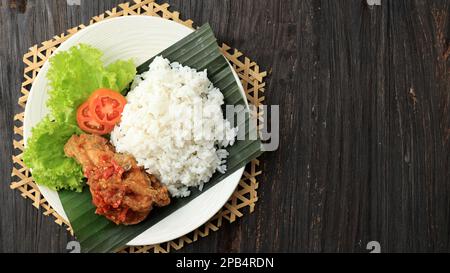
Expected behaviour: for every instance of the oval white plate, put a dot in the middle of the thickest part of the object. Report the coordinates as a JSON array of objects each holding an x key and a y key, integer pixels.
[{"x": 139, "y": 38}]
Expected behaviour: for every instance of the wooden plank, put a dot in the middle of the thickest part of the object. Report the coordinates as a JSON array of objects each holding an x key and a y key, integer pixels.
[{"x": 364, "y": 119}]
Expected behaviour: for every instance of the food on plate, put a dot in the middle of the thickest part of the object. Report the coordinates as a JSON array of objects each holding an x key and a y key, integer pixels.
[
  {"x": 174, "y": 126},
  {"x": 122, "y": 192},
  {"x": 76, "y": 73},
  {"x": 72, "y": 77},
  {"x": 101, "y": 111},
  {"x": 167, "y": 135}
]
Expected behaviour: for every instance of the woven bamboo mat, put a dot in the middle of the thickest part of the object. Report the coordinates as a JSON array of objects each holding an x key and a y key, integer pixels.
[{"x": 243, "y": 199}]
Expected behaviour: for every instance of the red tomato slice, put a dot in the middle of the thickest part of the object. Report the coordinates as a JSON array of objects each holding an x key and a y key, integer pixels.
[
  {"x": 88, "y": 124},
  {"x": 106, "y": 106}
]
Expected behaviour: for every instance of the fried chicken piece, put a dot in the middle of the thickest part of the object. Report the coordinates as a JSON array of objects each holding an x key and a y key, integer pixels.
[{"x": 122, "y": 191}]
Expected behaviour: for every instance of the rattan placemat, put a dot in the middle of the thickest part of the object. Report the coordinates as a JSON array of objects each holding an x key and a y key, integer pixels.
[{"x": 243, "y": 199}]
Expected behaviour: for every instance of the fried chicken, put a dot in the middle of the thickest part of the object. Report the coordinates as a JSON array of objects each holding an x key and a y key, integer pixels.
[{"x": 122, "y": 191}]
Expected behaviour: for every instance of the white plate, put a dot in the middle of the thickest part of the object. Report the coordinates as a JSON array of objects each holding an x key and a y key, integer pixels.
[{"x": 139, "y": 38}]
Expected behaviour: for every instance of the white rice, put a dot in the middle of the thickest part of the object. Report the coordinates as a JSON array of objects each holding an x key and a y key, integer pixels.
[{"x": 173, "y": 125}]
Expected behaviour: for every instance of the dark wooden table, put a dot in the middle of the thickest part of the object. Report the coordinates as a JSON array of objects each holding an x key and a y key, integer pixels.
[{"x": 364, "y": 97}]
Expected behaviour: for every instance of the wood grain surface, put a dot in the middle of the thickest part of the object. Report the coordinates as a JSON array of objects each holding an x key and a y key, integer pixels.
[{"x": 364, "y": 95}]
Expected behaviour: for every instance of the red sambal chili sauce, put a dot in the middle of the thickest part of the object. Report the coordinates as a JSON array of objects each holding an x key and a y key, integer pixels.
[{"x": 108, "y": 192}]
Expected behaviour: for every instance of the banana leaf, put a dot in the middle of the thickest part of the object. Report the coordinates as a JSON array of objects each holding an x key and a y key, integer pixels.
[{"x": 198, "y": 50}]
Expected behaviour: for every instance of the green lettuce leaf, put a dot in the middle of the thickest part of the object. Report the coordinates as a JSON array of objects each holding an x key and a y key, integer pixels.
[
  {"x": 45, "y": 155},
  {"x": 124, "y": 72},
  {"x": 73, "y": 75}
]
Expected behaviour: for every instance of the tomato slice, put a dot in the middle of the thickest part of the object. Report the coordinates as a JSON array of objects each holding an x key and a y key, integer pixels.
[
  {"x": 106, "y": 106},
  {"x": 88, "y": 124}
]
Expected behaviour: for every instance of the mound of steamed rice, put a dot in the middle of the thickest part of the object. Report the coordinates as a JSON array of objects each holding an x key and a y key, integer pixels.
[{"x": 174, "y": 126}]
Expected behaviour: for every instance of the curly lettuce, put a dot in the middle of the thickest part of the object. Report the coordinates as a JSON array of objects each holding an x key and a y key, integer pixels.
[
  {"x": 124, "y": 72},
  {"x": 73, "y": 75},
  {"x": 45, "y": 155}
]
